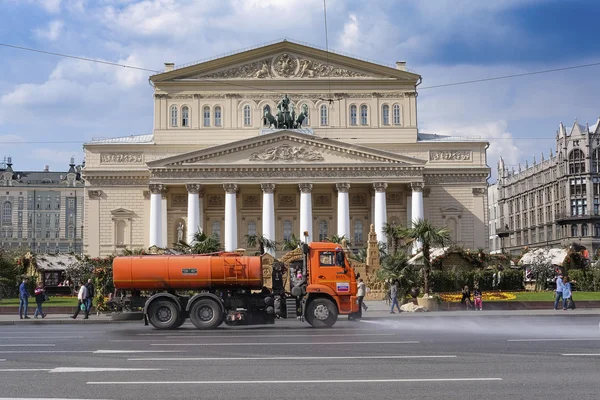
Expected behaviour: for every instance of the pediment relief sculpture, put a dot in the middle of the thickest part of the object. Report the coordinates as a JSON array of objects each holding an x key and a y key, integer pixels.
[
  {"x": 285, "y": 65},
  {"x": 285, "y": 152}
]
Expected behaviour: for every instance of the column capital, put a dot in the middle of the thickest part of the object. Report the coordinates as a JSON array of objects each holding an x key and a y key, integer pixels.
[
  {"x": 343, "y": 187},
  {"x": 417, "y": 186},
  {"x": 193, "y": 188},
  {"x": 94, "y": 194},
  {"x": 230, "y": 187},
  {"x": 305, "y": 187},
  {"x": 156, "y": 188},
  {"x": 380, "y": 186},
  {"x": 267, "y": 187}
]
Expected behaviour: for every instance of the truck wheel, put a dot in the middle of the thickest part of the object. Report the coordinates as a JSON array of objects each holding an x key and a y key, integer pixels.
[
  {"x": 163, "y": 314},
  {"x": 206, "y": 314},
  {"x": 321, "y": 313},
  {"x": 180, "y": 322}
]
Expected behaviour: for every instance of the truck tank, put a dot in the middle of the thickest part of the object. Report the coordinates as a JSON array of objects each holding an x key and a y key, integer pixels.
[{"x": 227, "y": 271}]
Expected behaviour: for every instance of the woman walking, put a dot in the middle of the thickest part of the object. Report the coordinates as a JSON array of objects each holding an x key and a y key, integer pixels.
[
  {"x": 40, "y": 297},
  {"x": 566, "y": 292},
  {"x": 394, "y": 297}
]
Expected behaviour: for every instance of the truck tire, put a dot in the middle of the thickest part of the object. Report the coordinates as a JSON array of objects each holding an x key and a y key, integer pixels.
[
  {"x": 206, "y": 314},
  {"x": 163, "y": 314},
  {"x": 180, "y": 322},
  {"x": 321, "y": 313}
]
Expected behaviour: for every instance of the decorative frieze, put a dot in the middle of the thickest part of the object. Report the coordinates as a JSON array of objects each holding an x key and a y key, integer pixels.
[
  {"x": 251, "y": 200},
  {"x": 455, "y": 178},
  {"x": 394, "y": 198},
  {"x": 121, "y": 158},
  {"x": 180, "y": 96},
  {"x": 358, "y": 199},
  {"x": 285, "y": 152},
  {"x": 178, "y": 200},
  {"x": 450, "y": 155},
  {"x": 291, "y": 173},
  {"x": 215, "y": 200},
  {"x": 286, "y": 201},
  {"x": 322, "y": 200}
]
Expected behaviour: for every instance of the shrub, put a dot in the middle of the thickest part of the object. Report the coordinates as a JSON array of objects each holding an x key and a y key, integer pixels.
[
  {"x": 452, "y": 281},
  {"x": 586, "y": 279}
]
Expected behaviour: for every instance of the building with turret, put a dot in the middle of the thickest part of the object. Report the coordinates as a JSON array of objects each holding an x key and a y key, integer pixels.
[
  {"x": 41, "y": 210},
  {"x": 554, "y": 201}
]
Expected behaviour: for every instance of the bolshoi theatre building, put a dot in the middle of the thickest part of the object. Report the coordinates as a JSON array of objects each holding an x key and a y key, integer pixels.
[{"x": 279, "y": 140}]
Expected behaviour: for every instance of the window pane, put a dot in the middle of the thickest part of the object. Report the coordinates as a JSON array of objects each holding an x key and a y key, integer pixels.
[
  {"x": 358, "y": 231},
  {"x": 287, "y": 230},
  {"x": 217, "y": 116},
  {"x": 363, "y": 115},
  {"x": 386, "y": 115},
  {"x": 324, "y": 117},
  {"x": 322, "y": 230},
  {"x": 216, "y": 229},
  {"x": 396, "y": 114},
  {"x": 185, "y": 116},
  {"x": 247, "y": 120},
  {"x": 251, "y": 228},
  {"x": 173, "y": 116},
  {"x": 352, "y": 115},
  {"x": 206, "y": 116}
]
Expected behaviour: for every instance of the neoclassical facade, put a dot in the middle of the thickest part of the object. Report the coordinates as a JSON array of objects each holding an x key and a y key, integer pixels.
[{"x": 281, "y": 140}]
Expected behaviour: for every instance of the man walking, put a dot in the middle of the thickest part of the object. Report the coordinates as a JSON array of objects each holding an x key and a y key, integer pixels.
[
  {"x": 90, "y": 295},
  {"x": 360, "y": 293},
  {"x": 559, "y": 290},
  {"x": 23, "y": 299},
  {"x": 81, "y": 301},
  {"x": 394, "y": 297}
]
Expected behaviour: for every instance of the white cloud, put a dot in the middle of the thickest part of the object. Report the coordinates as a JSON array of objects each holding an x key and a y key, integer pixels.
[
  {"x": 51, "y": 31},
  {"x": 51, "y": 6},
  {"x": 349, "y": 37}
]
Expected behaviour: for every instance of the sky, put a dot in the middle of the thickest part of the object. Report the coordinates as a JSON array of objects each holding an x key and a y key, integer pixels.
[{"x": 50, "y": 105}]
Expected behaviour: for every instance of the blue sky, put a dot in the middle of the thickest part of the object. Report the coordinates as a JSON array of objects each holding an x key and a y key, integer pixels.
[{"x": 46, "y": 99}]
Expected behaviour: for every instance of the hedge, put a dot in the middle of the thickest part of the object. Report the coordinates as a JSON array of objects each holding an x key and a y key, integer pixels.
[
  {"x": 452, "y": 281},
  {"x": 587, "y": 280}
]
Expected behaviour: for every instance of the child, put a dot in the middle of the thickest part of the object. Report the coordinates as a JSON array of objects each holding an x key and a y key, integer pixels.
[
  {"x": 477, "y": 296},
  {"x": 40, "y": 297}
]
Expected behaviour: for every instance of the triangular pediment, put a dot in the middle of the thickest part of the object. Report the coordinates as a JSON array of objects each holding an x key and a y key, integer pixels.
[
  {"x": 122, "y": 213},
  {"x": 285, "y": 60},
  {"x": 286, "y": 148}
]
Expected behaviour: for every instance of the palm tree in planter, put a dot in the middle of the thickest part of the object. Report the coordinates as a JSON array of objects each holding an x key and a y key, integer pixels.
[
  {"x": 291, "y": 244},
  {"x": 397, "y": 233},
  {"x": 338, "y": 239},
  {"x": 201, "y": 244},
  {"x": 262, "y": 242},
  {"x": 428, "y": 236}
]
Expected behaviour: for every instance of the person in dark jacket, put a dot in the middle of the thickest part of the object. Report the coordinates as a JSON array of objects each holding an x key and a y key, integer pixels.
[
  {"x": 23, "y": 299},
  {"x": 466, "y": 297},
  {"x": 90, "y": 295},
  {"x": 40, "y": 297}
]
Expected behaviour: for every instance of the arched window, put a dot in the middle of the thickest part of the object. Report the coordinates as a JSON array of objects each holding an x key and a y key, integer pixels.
[
  {"x": 306, "y": 121},
  {"x": 597, "y": 230},
  {"x": 266, "y": 109},
  {"x": 596, "y": 161},
  {"x": 576, "y": 162},
  {"x": 323, "y": 231},
  {"x": 173, "y": 115},
  {"x": 185, "y": 116},
  {"x": 7, "y": 213},
  {"x": 206, "y": 115},
  {"x": 358, "y": 231},
  {"x": 352, "y": 115},
  {"x": 287, "y": 230},
  {"x": 216, "y": 229},
  {"x": 584, "y": 230},
  {"x": 324, "y": 116},
  {"x": 251, "y": 228},
  {"x": 218, "y": 116},
  {"x": 385, "y": 113},
  {"x": 364, "y": 114},
  {"x": 574, "y": 230},
  {"x": 396, "y": 110},
  {"x": 247, "y": 116},
  {"x": 121, "y": 225}
]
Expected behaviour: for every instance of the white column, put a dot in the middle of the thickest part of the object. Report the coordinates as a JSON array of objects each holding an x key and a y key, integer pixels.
[
  {"x": 417, "y": 208},
  {"x": 164, "y": 227},
  {"x": 231, "y": 233},
  {"x": 343, "y": 210},
  {"x": 380, "y": 210},
  {"x": 156, "y": 215},
  {"x": 305, "y": 211},
  {"x": 193, "y": 211},
  {"x": 268, "y": 213}
]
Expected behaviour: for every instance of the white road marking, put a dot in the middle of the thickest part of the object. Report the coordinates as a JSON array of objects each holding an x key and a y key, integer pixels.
[
  {"x": 42, "y": 337},
  {"x": 582, "y": 355},
  {"x": 38, "y": 398},
  {"x": 78, "y": 369},
  {"x": 28, "y": 345},
  {"x": 253, "y": 336},
  {"x": 279, "y": 344},
  {"x": 25, "y": 369},
  {"x": 2, "y": 359},
  {"x": 284, "y": 358},
  {"x": 551, "y": 339},
  {"x": 317, "y": 381},
  {"x": 135, "y": 351},
  {"x": 43, "y": 351}
]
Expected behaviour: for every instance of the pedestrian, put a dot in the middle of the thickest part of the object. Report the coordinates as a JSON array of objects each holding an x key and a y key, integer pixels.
[
  {"x": 90, "y": 294},
  {"x": 558, "y": 295},
  {"x": 394, "y": 296},
  {"x": 566, "y": 293},
  {"x": 466, "y": 297},
  {"x": 360, "y": 294},
  {"x": 23, "y": 299},
  {"x": 81, "y": 302},
  {"x": 477, "y": 296},
  {"x": 40, "y": 297},
  {"x": 388, "y": 299}
]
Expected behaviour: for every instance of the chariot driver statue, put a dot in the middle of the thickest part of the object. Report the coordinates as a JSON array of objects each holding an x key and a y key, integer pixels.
[{"x": 284, "y": 104}]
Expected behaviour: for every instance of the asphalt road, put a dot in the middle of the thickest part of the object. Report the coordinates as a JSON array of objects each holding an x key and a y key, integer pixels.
[{"x": 428, "y": 357}]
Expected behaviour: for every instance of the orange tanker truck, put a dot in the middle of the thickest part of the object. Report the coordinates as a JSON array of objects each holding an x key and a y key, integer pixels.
[{"x": 228, "y": 287}]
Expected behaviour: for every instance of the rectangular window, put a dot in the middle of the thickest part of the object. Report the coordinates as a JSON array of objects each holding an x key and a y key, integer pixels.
[
  {"x": 396, "y": 115},
  {"x": 207, "y": 116},
  {"x": 71, "y": 203},
  {"x": 20, "y": 203},
  {"x": 217, "y": 116},
  {"x": 549, "y": 232},
  {"x": 353, "y": 115}
]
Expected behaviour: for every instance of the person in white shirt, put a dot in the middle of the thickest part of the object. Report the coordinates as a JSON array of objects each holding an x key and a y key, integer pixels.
[
  {"x": 360, "y": 293},
  {"x": 82, "y": 301}
]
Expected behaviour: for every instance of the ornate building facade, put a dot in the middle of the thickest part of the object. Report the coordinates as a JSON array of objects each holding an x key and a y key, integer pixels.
[
  {"x": 41, "y": 210},
  {"x": 554, "y": 202},
  {"x": 280, "y": 140}
]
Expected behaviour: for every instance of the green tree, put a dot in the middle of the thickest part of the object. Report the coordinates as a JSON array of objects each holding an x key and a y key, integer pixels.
[
  {"x": 428, "y": 236},
  {"x": 291, "y": 244},
  {"x": 201, "y": 244},
  {"x": 397, "y": 233},
  {"x": 338, "y": 239},
  {"x": 262, "y": 242}
]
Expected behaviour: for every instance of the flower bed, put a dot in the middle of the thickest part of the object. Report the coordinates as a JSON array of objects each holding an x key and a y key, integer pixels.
[{"x": 487, "y": 296}]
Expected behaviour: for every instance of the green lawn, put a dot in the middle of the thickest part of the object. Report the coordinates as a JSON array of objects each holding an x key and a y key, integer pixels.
[
  {"x": 549, "y": 296},
  {"x": 53, "y": 302}
]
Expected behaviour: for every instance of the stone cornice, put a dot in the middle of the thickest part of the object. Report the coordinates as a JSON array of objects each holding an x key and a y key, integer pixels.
[
  {"x": 108, "y": 180},
  {"x": 455, "y": 178}
]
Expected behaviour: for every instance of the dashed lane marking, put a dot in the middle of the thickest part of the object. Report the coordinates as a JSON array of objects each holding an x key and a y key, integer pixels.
[
  {"x": 135, "y": 351},
  {"x": 78, "y": 369},
  {"x": 280, "y": 344},
  {"x": 28, "y": 345},
  {"x": 552, "y": 339},
  {"x": 581, "y": 355},
  {"x": 285, "y": 358}
]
